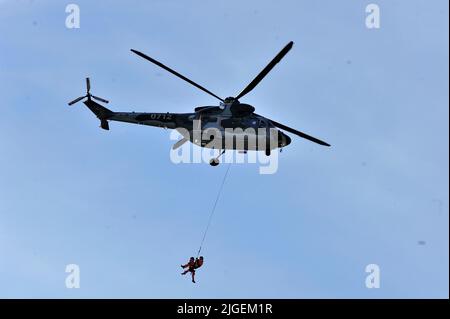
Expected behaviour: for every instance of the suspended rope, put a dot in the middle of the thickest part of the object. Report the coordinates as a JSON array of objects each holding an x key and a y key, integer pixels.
[{"x": 213, "y": 209}]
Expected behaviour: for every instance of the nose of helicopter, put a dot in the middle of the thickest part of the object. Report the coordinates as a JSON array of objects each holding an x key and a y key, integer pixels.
[{"x": 283, "y": 140}]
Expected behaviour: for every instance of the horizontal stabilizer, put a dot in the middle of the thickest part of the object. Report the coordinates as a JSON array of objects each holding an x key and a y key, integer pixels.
[{"x": 104, "y": 124}]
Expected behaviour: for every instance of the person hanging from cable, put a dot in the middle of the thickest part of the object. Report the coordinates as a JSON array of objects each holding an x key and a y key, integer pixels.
[
  {"x": 191, "y": 266},
  {"x": 196, "y": 263}
]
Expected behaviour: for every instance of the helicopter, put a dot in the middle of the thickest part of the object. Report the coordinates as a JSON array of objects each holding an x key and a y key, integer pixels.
[{"x": 229, "y": 114}]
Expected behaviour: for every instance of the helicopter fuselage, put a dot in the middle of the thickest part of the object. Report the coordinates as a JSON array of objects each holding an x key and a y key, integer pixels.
[{"x": 207, "y": 128}]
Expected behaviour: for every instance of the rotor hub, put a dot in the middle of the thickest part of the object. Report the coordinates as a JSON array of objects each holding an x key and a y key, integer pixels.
[{"x": 231, "y": 100}]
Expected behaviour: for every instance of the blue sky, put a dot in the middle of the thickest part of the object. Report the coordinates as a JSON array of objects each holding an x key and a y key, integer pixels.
[{"x": 113, "y": 202}]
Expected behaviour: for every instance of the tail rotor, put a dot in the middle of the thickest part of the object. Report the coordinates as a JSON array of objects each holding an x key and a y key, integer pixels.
[{"x": 88, "y": 95}]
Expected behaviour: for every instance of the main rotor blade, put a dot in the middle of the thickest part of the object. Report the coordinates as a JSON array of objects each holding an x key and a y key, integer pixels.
[
  {"x": 175, "y": 73},
  {"x": 100, "y": 99},
  {"x": 179, "y": 143},
  {"x": 301, "y": 134},
  {"x": 88, "y": 85},
  {"x": 77, "y": 100},
  {"x": 266, "y": 70}
]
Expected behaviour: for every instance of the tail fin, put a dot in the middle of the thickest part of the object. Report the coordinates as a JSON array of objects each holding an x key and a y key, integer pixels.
[{"x": 101, "y": 112}]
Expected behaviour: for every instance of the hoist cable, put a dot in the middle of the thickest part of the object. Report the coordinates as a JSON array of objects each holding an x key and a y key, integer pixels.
[{"x": 213, "y": 209}]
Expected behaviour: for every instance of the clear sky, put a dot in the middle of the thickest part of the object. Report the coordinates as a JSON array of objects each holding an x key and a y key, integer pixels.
[{"x": 113, "y": 203}]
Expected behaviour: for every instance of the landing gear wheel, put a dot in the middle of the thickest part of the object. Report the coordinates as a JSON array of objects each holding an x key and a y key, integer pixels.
[{"x": 214, "y": 162}]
